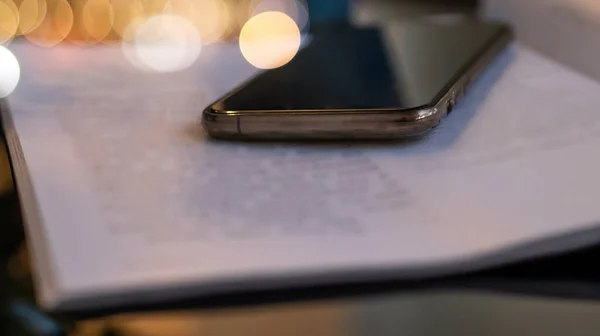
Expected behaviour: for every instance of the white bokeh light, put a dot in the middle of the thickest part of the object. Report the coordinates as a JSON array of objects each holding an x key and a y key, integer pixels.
[
  {"x": 162, "y": 43},
  {"x": 9, "y": 20},
  {"x": 10, "y": 72}
]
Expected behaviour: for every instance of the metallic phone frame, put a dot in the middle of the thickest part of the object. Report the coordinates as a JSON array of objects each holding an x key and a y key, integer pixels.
[{"x": 351, "y": 124}]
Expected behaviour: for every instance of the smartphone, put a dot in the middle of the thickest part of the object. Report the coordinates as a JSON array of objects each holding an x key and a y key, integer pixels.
[{"x": 361, "y": 83}]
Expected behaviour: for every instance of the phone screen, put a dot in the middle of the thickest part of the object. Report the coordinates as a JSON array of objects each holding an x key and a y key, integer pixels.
[{"x": 402, "y": 66}]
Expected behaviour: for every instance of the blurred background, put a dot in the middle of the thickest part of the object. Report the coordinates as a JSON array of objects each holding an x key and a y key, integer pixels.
[
  {"x": 82, "y": 22},
  {"x": 260, "y": 26},
  {"x": 49, "y": 22}
]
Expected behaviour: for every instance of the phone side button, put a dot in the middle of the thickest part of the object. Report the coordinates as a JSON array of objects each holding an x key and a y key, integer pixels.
[{"x": 450, "y": 105}]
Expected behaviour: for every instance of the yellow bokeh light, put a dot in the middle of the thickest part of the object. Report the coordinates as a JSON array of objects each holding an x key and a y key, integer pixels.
[
  {"x": 154, "y": 7},
  {"x": 126, "y": 12},
  {"x": 31, "y": 15},
  {"x": 270, "y": 40},
  {"x": 62, "y": 17},
  {"x": 55, "y": 27},
  {"x": 210, "y": 17},
  {"x": 9, "y": 20},
  {"x": 97, "y": 18},
  {"x": 79, "y": 34}
]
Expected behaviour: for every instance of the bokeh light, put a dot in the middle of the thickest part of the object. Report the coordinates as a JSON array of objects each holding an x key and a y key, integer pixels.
[
  {"x": 210, "y": 17},
  {"x": 10, "y": 72},
  {"x": 270, "y": 40},
  {"x": 162, "y": 43},
  {"x": 79, "y": 34},
  {"x": 9, "y": 20},
  {"x": 97, "y": 17},
  {"x": 55, "y": 27},
  {"x": 126, "y": 12},
  {"x": 154, "y": 7},
  {"x": 128, "y": 44},
  {"x": 31, "y": 15},
  {"x": 49, "y": 22},
  {"x": 295, "y": 9}
]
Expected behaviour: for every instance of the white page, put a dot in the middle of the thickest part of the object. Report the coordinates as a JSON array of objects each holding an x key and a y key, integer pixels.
[{"x": 134, "y": 199}]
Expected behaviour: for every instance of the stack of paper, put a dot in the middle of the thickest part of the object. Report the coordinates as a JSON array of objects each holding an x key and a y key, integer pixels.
[{"x": 126, "y": 200}]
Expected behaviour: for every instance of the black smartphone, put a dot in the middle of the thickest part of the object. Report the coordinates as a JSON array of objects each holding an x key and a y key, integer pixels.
[{"x": 359, "y": 83}]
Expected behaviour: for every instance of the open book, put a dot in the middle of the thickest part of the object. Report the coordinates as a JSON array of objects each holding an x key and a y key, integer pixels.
[{"x": 126, "y": 200}]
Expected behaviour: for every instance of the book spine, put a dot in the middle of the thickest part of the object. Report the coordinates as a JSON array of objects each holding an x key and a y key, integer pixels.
[{"x": 44, "y": 278}]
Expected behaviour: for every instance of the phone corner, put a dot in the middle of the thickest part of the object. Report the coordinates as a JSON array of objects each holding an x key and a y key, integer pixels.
[{"x": 219, "y": 124}]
